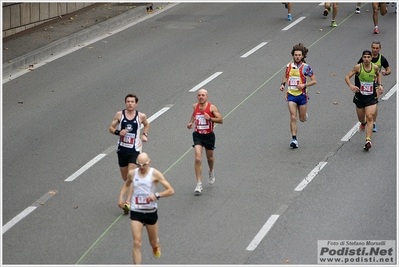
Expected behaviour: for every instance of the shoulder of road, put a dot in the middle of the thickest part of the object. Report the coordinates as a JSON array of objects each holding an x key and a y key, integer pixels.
[{"x": 33, "y": 45}]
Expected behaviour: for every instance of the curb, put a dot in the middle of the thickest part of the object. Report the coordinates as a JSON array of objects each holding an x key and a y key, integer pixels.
[{"x": 72, "y": 40}]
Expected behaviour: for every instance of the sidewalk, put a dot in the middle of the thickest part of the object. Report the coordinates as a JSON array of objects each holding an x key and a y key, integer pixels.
[{"x": 32, "y": 45}]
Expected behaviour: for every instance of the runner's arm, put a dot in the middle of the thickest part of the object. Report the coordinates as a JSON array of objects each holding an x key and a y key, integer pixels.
[{"x": 114, "y": 123}]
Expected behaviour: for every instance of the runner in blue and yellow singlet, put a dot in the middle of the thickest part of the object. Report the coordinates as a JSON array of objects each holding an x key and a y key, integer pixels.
[{"x": 297, "y": 91}]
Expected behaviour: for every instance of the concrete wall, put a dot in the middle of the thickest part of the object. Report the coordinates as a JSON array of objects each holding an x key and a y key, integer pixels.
[{"x": 18, "y": 16}]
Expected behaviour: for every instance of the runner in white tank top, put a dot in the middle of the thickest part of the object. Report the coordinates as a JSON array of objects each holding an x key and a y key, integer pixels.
[{"x": 141, "y": 190}]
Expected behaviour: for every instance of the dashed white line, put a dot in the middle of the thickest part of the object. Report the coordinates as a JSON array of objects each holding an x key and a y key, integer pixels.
[
  {"x": 293, "y": 23},
  {"x": 28, "y": 210},
  {"x": 270, "y": 222},
  {"x": 17, "y": 218},
  {"x": 262, "y": 233},
  {"x": 351, "y": 132},
  {"x": 310, "y": 176},
  {"x": 199, "y": 86},
  {"x": 390, "y": 93},
  {"x": 159, "y": 113},
  {"x": 85, "y": 167},
  {"x": 254, "y": 49}
]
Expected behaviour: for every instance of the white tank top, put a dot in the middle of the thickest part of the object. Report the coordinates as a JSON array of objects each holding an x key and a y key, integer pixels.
[{"x": 143, "y": 187}]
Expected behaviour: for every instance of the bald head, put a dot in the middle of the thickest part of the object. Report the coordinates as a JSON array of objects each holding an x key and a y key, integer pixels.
[
  {"x": 202, "y": 96},
  {"x": 143, "y": 158},
  {"x": 203, "y": 91}
]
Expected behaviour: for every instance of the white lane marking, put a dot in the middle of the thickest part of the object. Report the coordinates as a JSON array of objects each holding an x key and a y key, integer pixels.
[
  {"x": 85, "y": 167},
  {"x": 28, "y": 210},
  {"x": 293, "y": 23},
  {"x": 157, "y": 114},
  {"x": 351, "y": 132},
  {"x": 199, "y": 86},
  {"x": 254, "y": 49},
  {"x": 17, "y": 218},
  {"x": 390, "y": 93},
  {"x": 262, "y": 233},
  {"x": 310, "y": 176}
]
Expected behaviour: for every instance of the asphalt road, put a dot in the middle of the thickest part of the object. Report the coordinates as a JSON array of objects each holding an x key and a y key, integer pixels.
[{"x": 56, "y": 119}]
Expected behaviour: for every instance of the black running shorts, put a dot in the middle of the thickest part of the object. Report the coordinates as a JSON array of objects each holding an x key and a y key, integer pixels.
[
  {"x": 126, "y": 157},
  {"x": 205, "y": 140},
  {"x": 144, "y": 217},
  {"x": 364, "y": 101}
]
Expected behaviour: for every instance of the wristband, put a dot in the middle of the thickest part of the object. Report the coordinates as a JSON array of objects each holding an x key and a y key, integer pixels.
[
  {"x": 157, "y": 195},
  {"x": 283, "y": 84},
  {"x": 210, "y": 119},
  {"x": 146, "y": 135},
  {"x": 117, "y": 132}
]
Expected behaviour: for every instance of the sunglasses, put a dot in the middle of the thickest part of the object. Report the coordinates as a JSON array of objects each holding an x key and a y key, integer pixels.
[{"x": 142, "y": 164}]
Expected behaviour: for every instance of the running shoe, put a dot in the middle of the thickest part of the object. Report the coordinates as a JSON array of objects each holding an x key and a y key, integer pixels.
[
  {"x": 157, "y": 252},
  {"x": 362, "y": 127},
  {"x": 376, "y": 30},
  {"x": 367, "y": 146},
  {"x": 211, "y": 179},
  {"x": 374, "y": 128},
  {"x": 289, "y": 17},
  {"x": 326, "y": 11},
  {"x": 333, "y": 23},
  {"x": 357, "y": 11},
  {"x": 294, "y": 143},
  {"x": 198, "y": 188},
  {"x": 126, "y": 207}
]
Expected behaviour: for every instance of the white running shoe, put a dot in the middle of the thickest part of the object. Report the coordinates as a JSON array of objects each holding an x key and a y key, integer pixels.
[
  {"x": 211, "y": 179},
  {"x": 294, "y": 143},
  {"x": 198, "y": 188}
]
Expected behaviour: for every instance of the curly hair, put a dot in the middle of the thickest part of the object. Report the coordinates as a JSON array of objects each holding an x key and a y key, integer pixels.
[{"x": 302, "y": 48}]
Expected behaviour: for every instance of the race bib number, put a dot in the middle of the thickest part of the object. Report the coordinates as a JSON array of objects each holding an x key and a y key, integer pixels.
[
  {"x": 128, "y": 140},
  {"x": 201, "y": 122},
  {"x": 293, "y": 82},
  {"x": 141, "y": 200},
  {"x": 366, "y": 88}
]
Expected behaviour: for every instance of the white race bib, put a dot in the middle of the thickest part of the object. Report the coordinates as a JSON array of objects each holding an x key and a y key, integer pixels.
[
  {"x": 366, "y": 88},
  {"x": 293, "y": 82},
  {"x": 128, "y": 140}
]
